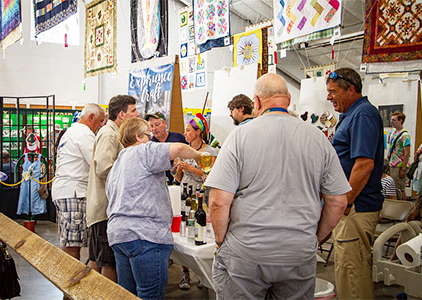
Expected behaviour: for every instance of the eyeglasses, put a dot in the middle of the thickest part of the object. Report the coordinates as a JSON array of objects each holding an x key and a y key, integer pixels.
[
  {"x": 334, "y": 75},
  {"x": 148, "y": 135}
]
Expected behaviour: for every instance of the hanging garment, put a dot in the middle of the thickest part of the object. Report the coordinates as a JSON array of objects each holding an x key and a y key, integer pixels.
[{"x": 38, "y": 205}]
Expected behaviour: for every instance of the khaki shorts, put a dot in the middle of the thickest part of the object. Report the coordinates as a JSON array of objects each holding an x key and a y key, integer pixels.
[
  {"x": 71, "y": 215},
  {"x": 400, "y": 182},
  {"x": 235, "y": 277}
]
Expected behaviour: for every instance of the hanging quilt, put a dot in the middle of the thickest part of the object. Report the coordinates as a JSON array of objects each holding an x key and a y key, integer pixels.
[
  {"x": 323, "y": 34},
  {"x": 247, "y": 48},
  {"x": 100, "y": 37},
  {"x": 393, "y": 31},
  {"x": 149, "y": 29},
  {"x": 212, "y": 27},
  {"x": 10, "y": 19},
  {"x": 193, "y": 67},
  {"x": 295, "y": 18},
  {"x": 49, "y": 13}
]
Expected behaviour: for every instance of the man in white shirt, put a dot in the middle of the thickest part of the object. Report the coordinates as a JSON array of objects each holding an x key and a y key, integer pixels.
[{"x": 69, "y": 188}]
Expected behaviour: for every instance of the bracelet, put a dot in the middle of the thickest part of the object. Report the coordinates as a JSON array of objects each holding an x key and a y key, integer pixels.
[
  {"x": 218, "y": 244},
  {"x": 349, "y": 205}
]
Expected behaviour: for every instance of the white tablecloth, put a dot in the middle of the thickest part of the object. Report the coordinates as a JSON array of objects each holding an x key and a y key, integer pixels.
[{"x": 197, "y": 258}]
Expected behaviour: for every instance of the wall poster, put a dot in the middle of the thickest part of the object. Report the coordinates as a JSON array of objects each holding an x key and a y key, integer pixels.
[
  {"x": 386, "y": 111},
  {"x": 152, "y": 89}
]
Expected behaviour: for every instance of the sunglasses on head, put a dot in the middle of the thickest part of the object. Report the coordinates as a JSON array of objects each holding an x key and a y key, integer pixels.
[{"x": 334, "y": 75}]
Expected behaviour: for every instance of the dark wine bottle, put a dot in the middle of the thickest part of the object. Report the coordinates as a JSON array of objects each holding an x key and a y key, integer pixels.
[
  {"x": 183, "y": 197},
  {"x": 200, "y": 224},
  {"x": 188, "y": 202}
]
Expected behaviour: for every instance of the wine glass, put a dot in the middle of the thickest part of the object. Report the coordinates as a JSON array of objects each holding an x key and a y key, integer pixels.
[{"x": 206, "y": 162}]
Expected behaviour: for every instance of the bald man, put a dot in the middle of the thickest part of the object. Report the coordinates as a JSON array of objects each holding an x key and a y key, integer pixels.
[
  {"x": 276, "y": 167},
  {"x": 70, "y": 184}
]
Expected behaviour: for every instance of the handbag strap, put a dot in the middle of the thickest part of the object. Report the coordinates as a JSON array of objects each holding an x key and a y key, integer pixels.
[{"x": 395, "y": 141}]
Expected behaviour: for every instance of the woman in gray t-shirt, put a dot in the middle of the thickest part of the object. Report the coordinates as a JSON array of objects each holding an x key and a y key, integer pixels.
[{"x": 139, "y": 209}]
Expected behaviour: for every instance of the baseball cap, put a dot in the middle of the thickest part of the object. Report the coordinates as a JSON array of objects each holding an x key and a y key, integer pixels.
[
  {"x": 57, "y": 127},
  {"x": 157, "y": 115}
]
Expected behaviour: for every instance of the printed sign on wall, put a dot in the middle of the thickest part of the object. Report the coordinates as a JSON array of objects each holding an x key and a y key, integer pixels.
[{"x": 152, "y": 89}]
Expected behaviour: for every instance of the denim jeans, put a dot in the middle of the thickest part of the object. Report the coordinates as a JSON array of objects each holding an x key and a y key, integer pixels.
[{"x": 142, "y": 267}]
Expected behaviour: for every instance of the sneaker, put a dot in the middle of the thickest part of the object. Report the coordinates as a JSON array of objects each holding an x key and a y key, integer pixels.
[
  {"x": 200, "y": 285},
  {"x": 185, "y": 282}
]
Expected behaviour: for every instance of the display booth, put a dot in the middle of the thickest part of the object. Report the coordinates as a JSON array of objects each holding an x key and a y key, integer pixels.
[{"x": 44, "y": 122}]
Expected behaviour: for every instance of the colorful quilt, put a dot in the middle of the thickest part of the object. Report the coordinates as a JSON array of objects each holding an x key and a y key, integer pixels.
[
  {"x": 295, "y": 18},
  {"x": 393, "y": 31},
  {"x": 309, "y": 37},
  {"x": 193, "y": 66},
  {"x": 149, "y": 29},
  {"x": 10, "y": 19},
  {"x": 100, "y": 37},
  {"x": 212, "y": 23},
  {"x": 247, "y": 48},
  {"x": 49, "y": 13}
]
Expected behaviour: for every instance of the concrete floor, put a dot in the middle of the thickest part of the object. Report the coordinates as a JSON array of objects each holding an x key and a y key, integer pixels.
[{"x": 34, "y": 286}]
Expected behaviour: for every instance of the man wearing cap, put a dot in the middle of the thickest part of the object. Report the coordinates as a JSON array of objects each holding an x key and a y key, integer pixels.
[
  {"x": 241, "y": 107},
  {"x": 106, "y": 150},
  {"x": 359, "y": 143},
  {"x": 158, "y": 124}
]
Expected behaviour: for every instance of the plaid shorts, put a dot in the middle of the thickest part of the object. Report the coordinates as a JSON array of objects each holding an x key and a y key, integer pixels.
[{"x": 71, "y": 215}]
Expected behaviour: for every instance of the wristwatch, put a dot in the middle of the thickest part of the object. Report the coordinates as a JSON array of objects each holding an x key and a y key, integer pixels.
[{"x": 218, "y": 244}]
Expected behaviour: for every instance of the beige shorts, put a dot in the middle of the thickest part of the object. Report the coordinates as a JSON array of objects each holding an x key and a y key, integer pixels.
[{"x": 400, "y": 182}]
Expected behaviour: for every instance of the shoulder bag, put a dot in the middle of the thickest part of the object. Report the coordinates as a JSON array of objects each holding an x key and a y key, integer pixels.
[
  {"x": 9, "y": 284},
  {"x": 412, "y": 169},
  {"x": 43, "y": 191}
]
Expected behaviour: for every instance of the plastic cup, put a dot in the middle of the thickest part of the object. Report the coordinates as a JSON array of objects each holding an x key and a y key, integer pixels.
[{"x": 175, "y": 225}]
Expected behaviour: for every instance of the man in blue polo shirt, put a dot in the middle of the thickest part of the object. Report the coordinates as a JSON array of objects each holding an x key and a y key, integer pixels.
[
  {"x": 158, "y": 124},
  {"x": 359, "y": 143}
]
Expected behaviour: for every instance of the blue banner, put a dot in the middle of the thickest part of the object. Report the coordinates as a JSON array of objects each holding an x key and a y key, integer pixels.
[{"x": 152, "y": 89}]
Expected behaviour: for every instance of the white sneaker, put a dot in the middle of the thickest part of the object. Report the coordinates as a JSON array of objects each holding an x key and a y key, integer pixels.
[{"x": 185, "y": 282}]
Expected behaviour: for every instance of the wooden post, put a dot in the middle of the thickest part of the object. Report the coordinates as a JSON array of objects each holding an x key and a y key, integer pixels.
[
  {"x": 177, "y": 123},
  {"x": 68, "y": 274}
]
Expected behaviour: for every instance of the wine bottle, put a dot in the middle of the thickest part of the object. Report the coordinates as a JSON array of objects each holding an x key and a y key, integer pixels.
[
  {"x": 194, "y": 204},
  {"x": 183, "y": 197},
  {"x": 188, "y": 202},
  {"x": 191, "y": 226},
  {"x": 200, "y": 224},
  {"x": 183, "y": 225}
]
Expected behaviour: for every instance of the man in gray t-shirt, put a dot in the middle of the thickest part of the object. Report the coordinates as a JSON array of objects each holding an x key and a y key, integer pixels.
[{"x": 265, "y": 201}]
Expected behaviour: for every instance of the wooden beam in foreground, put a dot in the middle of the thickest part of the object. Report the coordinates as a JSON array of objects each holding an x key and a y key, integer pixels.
[{"x": 68, "y": 274}]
